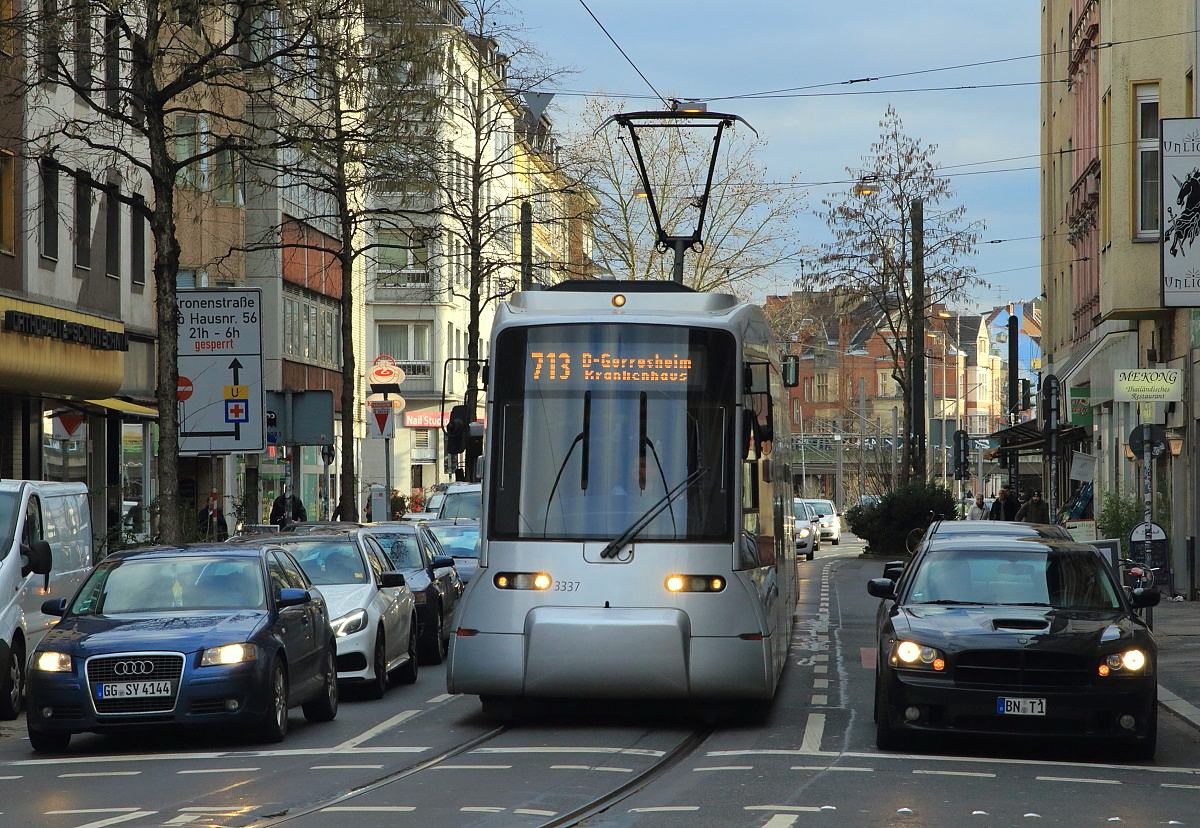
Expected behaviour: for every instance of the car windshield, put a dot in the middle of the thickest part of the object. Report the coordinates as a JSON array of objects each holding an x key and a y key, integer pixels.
[
  {"x": 169, "y": 585},
  {"x": 460, "y": 541},
  {"x": 330, "y": 562},
  {"x": 1062, "y": 578},
  {"x": 821, "y": 507}
]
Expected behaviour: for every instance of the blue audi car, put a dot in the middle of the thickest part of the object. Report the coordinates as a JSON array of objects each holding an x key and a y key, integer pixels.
[{"x": 207, "y": 634}]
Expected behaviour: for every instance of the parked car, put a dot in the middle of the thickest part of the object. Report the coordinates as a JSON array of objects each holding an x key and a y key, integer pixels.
[
  {"x": 1031, "y": 637},
  {"x": 207, "y": 634},
  {"x": 461, "y": 500},
  {"x": 807, "y": 529},
  {"x": 373, "y": 609},
  {"x": 459, "y": 538},
  {"x": 1003, "y": 528},
  {"x": 431, "y": 575},
  {"x": 831, "y": 521}
]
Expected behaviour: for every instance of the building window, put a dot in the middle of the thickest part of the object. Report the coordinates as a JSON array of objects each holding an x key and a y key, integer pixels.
[
  {"x": 402, "y": 259},
  {"x": 404, "y": 343},
  {"x": 112, "y": 61},
  {"x": 226, "y": 179},
  {"x": 48, "y": 219},
  {"x": 112, "y": 232},
  {"x": 83, "y": 43},
  {"x": 83, "y": 221},
  {"x": 1146, "y": 97},
  {"x": 808, "y": 389},
  {"x": 8, "y": 202},
  {"x": 51, "y": 42},
  {"x": 187, "y": 145},
  {"x": 137, "y": 241},
  {"x": 309, "y": 324},
  {"x": 822, "y": 387}
]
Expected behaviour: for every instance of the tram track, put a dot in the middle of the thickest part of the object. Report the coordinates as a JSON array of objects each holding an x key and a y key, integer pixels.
[{"x": 577, "y": 816}]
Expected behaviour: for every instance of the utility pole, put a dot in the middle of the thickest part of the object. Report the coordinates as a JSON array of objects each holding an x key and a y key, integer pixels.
[
  {"x": 916, "y": 371},
  {"x": 1014, "y": 397}
]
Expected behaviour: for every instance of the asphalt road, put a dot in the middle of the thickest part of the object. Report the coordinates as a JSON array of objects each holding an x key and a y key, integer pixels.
[{"x": 421, "y": 756}]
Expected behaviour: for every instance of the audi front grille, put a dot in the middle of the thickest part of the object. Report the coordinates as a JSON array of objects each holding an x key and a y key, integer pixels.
[{"x": 125, "y": 667}]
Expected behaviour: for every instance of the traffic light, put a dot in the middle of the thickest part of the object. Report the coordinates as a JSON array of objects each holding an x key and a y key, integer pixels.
[
  {"x": 1026, "y": 395},
  {"x": 456, "y": 429},
  {"x": 962, "y": 454}
]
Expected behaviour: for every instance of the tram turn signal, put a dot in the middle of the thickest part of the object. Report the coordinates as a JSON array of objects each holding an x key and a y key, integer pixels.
[
  {"x": 695, "y": 583},
  {"x": 522, "y": 580}
]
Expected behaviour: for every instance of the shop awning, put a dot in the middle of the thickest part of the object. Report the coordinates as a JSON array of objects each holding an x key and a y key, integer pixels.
[
  {"x": 1030, "y": 437},
  {"x": 125, "y": 407}
]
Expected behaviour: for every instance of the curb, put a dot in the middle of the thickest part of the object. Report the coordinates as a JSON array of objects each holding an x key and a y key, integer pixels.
[{"x": 1181, "y": 708}]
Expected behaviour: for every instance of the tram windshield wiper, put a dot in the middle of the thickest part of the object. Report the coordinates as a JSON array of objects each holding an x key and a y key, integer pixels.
[
  {"x": 585, "y": 437},
  {"x": 614, "y": 546}
]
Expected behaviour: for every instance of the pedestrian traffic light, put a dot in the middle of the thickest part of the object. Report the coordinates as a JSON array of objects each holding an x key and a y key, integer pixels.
[
  {"x": 456, "y": 429},
  {"x": 1026, "y": 395}
]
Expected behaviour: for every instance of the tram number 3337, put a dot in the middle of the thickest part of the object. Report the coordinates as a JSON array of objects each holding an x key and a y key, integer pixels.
[{"x": 566, "y": 586}]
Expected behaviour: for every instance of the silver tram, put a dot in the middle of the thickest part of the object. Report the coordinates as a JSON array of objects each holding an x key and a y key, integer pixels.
[{"x": 637, "y": 529}]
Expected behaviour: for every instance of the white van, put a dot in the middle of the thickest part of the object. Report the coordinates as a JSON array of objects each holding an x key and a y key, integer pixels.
[{"x": 45, "y": 552}]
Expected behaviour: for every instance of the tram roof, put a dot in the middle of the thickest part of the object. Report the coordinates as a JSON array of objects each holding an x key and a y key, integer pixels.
[{"x": 638, "y": 297}]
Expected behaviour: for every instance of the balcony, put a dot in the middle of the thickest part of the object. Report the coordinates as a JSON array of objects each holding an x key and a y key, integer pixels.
[{"x": 418, "y": 377}]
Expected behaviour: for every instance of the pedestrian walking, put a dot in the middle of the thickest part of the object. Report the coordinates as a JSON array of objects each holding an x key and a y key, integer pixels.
[
  {"x": 978, "y": 510},
  {"x": 1035, "y": 510},
  {"x": 210, "y": 521}
]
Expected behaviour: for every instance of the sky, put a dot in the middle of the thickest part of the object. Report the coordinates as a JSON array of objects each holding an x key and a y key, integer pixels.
[{"x": 703, "y": 50}]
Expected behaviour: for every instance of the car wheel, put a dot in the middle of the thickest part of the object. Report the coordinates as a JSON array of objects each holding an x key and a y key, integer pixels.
[
  {"x": 374, "y": 689},
  {"x": 325, "y": 706},
  {"x": 274, "y": 725},
  {"x": 837, "y": 540},
  {"x": 407, "y": 673},
  {"x": 44, "y": 742},
  {"x": 811, "y": 553},
  {"x": 886, "y": 737},
  {"x": 433, "y": 648},
  {"x": 12, "y": 682}
]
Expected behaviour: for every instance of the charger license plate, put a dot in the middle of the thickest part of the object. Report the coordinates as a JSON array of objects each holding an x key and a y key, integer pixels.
[{"x": 1020, "y": 707}]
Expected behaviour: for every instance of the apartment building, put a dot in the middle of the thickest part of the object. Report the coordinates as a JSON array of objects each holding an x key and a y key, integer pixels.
[{"x": 1112, "y": 71}]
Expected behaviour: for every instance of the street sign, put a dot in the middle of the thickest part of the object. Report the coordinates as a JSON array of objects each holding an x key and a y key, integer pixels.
[
  {"x": 381, "y": 419},
  {"x": 220, "y": 392},
  {"x": 299, "y": 418},
  {"x": 385, "y": 376},
  {"x": 1151, "y": 433}
]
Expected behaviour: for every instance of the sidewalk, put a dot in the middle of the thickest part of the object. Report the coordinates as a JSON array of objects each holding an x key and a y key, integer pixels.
[{"x": 1177, "y": 629}]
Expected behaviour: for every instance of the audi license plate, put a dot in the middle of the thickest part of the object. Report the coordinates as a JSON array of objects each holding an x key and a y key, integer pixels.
[
  {"x": 1021, "y": 707},
  {"x": 133, "y": 689}
]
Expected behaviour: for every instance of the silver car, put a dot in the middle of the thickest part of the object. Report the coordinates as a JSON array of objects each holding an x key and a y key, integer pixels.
[
  {"x": 807, "y": 531},
  {"x": 831, "y": 521}
]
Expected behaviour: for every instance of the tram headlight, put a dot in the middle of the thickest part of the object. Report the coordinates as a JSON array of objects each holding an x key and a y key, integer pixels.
[
  {"x": 523, "y": 580},
  {"x": 694, "y": 583}
]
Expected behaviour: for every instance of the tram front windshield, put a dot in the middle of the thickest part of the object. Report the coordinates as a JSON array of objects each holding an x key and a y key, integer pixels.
[{"x": 593, "y": 424}]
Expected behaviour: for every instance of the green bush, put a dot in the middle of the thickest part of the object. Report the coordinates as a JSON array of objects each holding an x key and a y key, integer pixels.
[
  {"x": 885, "y": 525},
  {"x": 1117, "y": 517}
]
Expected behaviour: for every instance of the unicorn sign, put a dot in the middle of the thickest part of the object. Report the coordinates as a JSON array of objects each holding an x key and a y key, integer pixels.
[{"x": 1180, "y": 154}]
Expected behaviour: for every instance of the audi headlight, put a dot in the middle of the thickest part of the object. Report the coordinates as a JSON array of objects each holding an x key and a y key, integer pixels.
[
  {"x": 911, "y": 654},
  {"x": 50, "y": 662},
  {"x": 351, "y": 622},
  {"x": 228, "y": 654}
]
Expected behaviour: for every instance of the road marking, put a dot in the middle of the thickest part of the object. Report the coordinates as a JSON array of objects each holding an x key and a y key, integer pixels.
[
  {"x": 534, "y": 812},
  {"x": 346, "y": 767},
  {"x": 821, "y": 669},
  {"x": 182, "y": 819},
  {"x": 820, "y": 684},
  {"x": 188, "y": 757},
  {"x": 814, "y": 729},
  {"x": 101, "y": 823},
  {"x": 658, "y": 754},
  {"x": 95, "y": 773},
  {"x": 482, "y": 809},
  {"x": 662, "y": 809},
  {"x": 471, "y": 767},
  {"x": 1187, "y": 787},
  {"x": 376, "y": 730},
  {"x": 806, "y": 809},
  {"x": 1077, "y": 779},
  {"x": 91, "y": 811},
  {"x": 607, "y": 768},
  {"x": 832, "y": 768},
  {"x": 217, "y": 770},
  {"x": 866, "y": 656},
  {"x": 781, "y": 821},
  {"x": 955, "y": 773},
  {"x": 726, "y": 767},
  {"x": 820, "y": 699},
  {"x": 372, "y": 809}
]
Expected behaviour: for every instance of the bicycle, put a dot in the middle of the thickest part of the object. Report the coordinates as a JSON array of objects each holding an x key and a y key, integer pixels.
[{"x": 1139, "y": 575}]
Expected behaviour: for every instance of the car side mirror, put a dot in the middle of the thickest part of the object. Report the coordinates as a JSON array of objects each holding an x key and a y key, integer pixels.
[
  {"x": 40, "y": 558},
  {"x": 442, "y": 561},
  {"x": 892, "y": 570},
  {"x": 55, "y": 606},
  {"x": 392, "y": 578},
  {"x": 1142, "y": 597},
  {"x": 292, "y": 597},
  {"x": 882, "y": 588}
]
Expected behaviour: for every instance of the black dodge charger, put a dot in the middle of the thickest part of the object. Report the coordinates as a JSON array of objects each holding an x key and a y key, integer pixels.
[{"x": 1031, "y": 637}]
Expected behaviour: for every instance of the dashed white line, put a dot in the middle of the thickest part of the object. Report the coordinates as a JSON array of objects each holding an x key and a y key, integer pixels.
[
  {"x": 94, "y": 773},
  {"x": 806, "y": 809},
  {"x": 102, "y": 823},
  {"x": 67, "y": 811},
  {"x": 726, "y": 768},
  {"x": 832, "y": 768},
  {"x": 820, "y": 699},
  {"x": 346, "y": 767},
  {"x": 781, "y": 821},
  {"x": 216, "y": 770},
  {"x": 471, "y": 767},
  {"x": 1077, "y": 779},
  {"x": 482, "y": 809},
  {"x": 376, "y": 730},
  {"x": 372, "y": 809},
  {"x": 814, "y": 729},
  {"x": 441, "y": 698},
  {"x": 954, "y": 773},
  {"x": 664, "y": 809},
  {"x": 534, "y": 812}
]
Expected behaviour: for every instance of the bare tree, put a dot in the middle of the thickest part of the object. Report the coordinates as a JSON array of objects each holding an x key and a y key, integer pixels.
[
  {"x": 871, "y": 254},
  {"x": 747, "y": 226}
]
